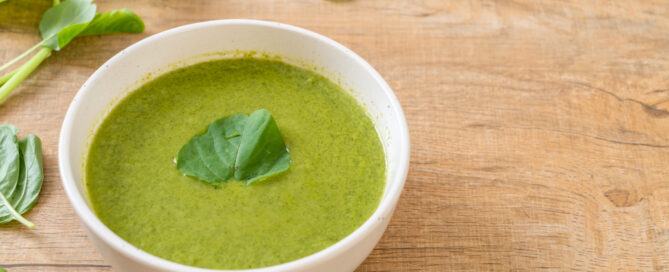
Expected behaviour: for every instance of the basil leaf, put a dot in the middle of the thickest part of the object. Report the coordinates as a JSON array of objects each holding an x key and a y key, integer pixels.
[
  {"x": 20, "y": 170},
  {"x": 112, "y": 22},
  {"x": 30, "y": 174},
  {"x": 30, "y": 178},
  {"x": 61, "y": 23},
  {"x": 262, "y": 152},
  {"x": 210, "y": 157},
  {"x": 251, "y": 147},
  {"x": 9, "y": 161}
]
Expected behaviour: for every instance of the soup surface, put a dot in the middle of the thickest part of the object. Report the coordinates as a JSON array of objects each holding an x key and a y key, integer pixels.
[{"x": 335, "y": 181}]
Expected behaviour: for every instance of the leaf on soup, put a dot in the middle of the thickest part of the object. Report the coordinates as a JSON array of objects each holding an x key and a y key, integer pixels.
[
  {"x": 262, "y": 152},
  {"x": 250, "y": 148},
  {"x": 114, "y": 22},
  {"x": 211, "y": 156}
]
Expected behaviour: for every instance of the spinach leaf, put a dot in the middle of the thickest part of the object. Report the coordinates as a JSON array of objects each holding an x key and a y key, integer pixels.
[
  {"x": 21, "y": 160},
  {"x": 210, "y": 157},
  {"x": 262, "y": 152},
  {"x": 30, "y": 174},
  {"x": 251, "y": 147},
  {"x": 61, "y": 23},
  {"x": 112, "y": 22},
  {"x": 9, "y": 160}
]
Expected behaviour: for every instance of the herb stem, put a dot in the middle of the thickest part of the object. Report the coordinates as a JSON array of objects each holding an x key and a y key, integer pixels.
[
  {"x": 7, "y": 76},
  {"x": 19, "y": 57},
  {"x": 56, "y": 2},
  {"x": 23, "y": 72},
  {"x": 13, "y": 212}
]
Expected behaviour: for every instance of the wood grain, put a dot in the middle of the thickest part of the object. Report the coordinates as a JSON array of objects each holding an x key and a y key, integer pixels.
[{"x": 540, "y": 129}]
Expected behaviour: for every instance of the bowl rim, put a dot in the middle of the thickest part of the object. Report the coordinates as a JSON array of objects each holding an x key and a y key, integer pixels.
[{"x": 95, "y": 225}]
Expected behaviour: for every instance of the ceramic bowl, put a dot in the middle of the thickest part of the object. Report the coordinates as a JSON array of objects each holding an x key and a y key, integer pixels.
[{"x": 193, "y": 43}]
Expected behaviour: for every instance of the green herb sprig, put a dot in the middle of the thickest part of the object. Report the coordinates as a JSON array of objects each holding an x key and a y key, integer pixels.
[
  {"x": 59, "y": 25},
  {"x": 21, "y": 174},
  {"x": 251, "y": 147}
]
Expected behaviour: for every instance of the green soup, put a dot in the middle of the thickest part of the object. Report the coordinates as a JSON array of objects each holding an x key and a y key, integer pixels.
[{"x": 334, "y": 184}]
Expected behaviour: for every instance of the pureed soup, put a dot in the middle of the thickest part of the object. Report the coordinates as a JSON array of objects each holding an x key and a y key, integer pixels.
[{"x": 335, "y": 180}]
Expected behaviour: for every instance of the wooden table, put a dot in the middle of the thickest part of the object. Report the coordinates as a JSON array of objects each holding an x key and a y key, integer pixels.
[{"x": 540, "y": 130}]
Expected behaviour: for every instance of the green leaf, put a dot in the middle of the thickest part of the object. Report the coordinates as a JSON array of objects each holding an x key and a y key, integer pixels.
[
  {"x": 22, "y": 159},
  {"x": 61, "y": 23},
  {"x": 210, "y": 157},
  {"x": 21, "y": 174},
  {"x": 262, "y": 152},
  {"x": 30, "y": 174},
  {"x": 250, "y": 147},
  {"x": 2, "y": 269},
  {"x": 116, "y": 21},
  {"x": 9, "y": 161}
]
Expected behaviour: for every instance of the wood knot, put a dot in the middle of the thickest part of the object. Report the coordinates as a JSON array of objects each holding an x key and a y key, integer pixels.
[{"x": 622, "y": 198}]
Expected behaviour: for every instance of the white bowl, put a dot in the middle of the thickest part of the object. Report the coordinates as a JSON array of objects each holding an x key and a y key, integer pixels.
[{"x": 194, "y": 43}]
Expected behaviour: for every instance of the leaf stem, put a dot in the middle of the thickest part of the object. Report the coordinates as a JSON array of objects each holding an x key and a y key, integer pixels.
[
  {"x": 19, "y": 57},
  {"x": 7, "y": 76},
  {"x": 23, "y": 72},
  {"x": 15, "y": 214},
  {"x": 56, "y": 2}
]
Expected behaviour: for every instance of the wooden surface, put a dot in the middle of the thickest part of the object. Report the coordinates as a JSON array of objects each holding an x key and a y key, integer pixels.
[{"x": 540, "y": 129}]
